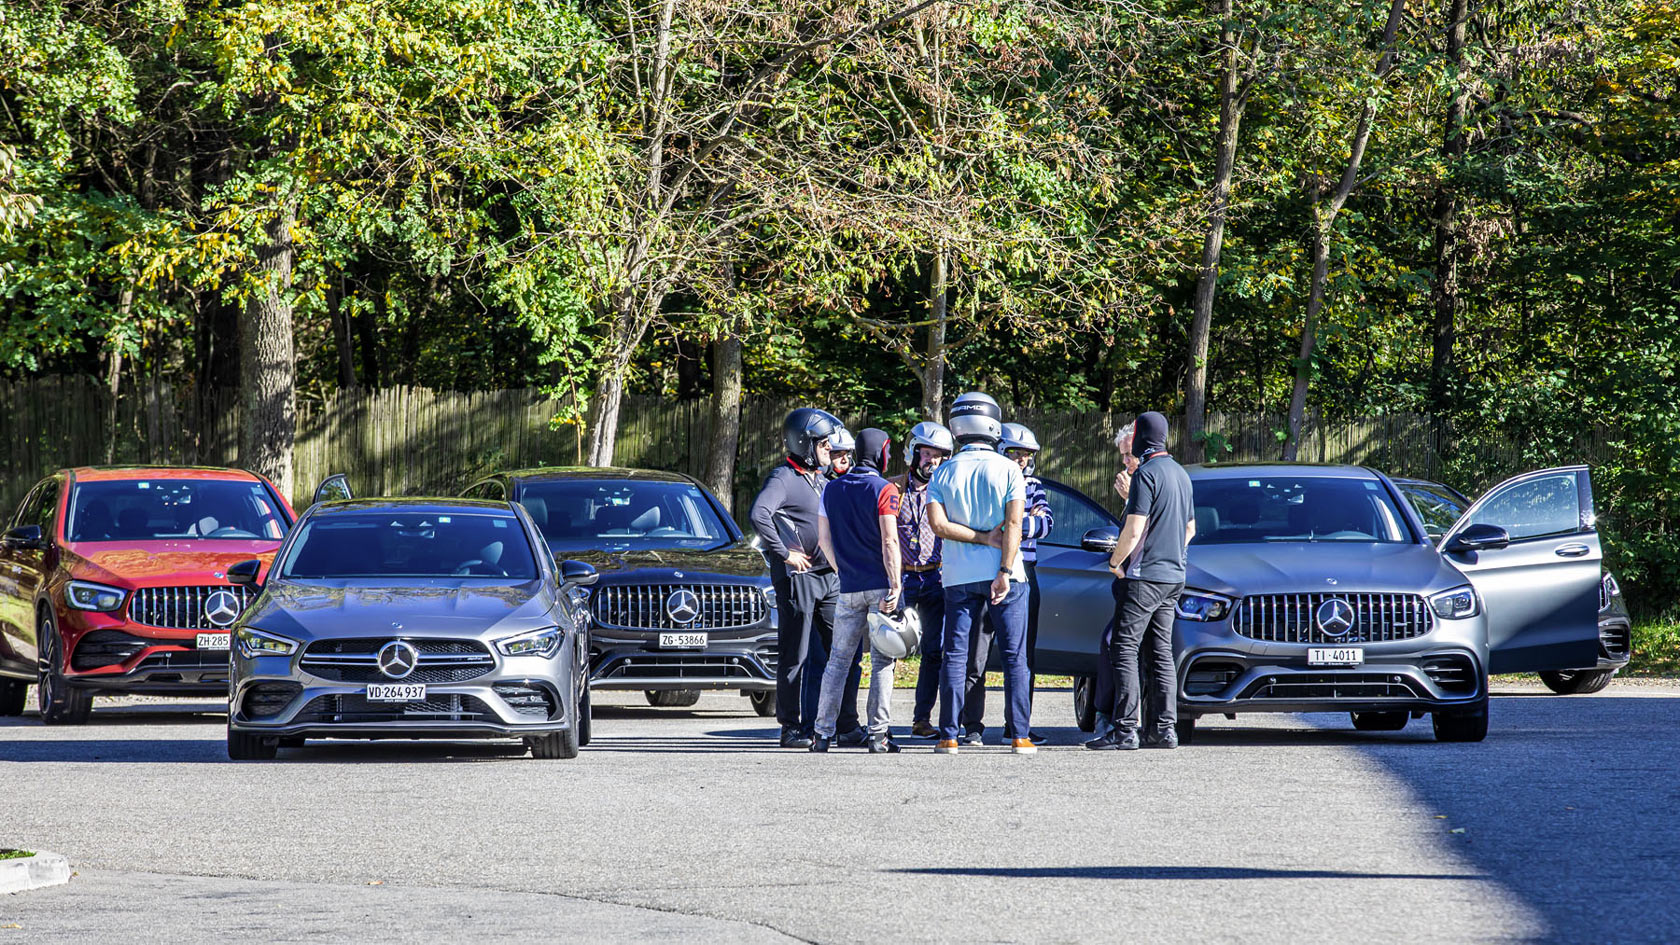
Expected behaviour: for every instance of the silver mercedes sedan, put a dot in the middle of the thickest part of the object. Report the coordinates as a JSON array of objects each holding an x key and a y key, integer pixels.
[
  {"x": 1320, "y": 589},
  {"x": 411, "y": 618}
]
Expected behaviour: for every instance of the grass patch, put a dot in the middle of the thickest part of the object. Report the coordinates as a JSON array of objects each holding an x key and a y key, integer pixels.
[
  {"x": 905, "y": 673},
  {"x": 1656, "y": 647},
  {"x": 15, "y": 854}
]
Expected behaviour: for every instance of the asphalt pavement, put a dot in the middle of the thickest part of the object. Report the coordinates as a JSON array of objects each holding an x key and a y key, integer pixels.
[{"x": 692, "y": 825}]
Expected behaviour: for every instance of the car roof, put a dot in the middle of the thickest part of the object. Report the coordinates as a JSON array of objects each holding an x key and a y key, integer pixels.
[
  {"x": 136, "y": 472},
  {"x": 412, "y": 504},
  {"x": 1246, "y": 470},
  {"x": 549, "y": 473}
]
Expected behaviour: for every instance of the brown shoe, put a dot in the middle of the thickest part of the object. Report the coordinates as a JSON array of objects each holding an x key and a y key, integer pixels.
[
  {"x": 1024, "y": 746},
  {"x": 922, "y": 728},
  {"x": 946, "y": 746}
]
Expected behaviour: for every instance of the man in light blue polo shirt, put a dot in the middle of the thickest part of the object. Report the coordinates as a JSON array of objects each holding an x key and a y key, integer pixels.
[{"x": 976, "y": 500}]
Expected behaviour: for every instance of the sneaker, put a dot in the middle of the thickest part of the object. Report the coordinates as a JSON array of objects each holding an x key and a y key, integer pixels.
[
  {"x": 820, "y": 743},
  {"x": 971, "y": 739},
  {"x": 1169, "y": 740},
  {"x": 1118, "y": 739},
  {"x": 1024, "y": 746},
  {"x": 946, "y": 746},
  {"x": 854, "y": 738},
  {"x": 883, "y": 744},
  {"x": 1036, "y": 738},
  {"x": 922, "y": 728},
  {"x": 791, "y": 738}
]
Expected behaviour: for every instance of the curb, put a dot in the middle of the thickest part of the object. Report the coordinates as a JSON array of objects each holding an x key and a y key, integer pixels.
[{"x": 33, "y": 872}]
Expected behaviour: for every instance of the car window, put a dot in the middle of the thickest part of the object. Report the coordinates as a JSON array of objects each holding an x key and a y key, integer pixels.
[
  {"x": 38, "y": 508},
  {"x": 615, "y": 515},
  {"x": 491, "y": 489},
  {"x": 1438, "y": 506},
  {"x": 175, "y": 509},
  {"x": 1534, "y": 508},
  {"x": 1295, "y": 508},
  {"x": 399, "y": 544},
  {"x": 1075, "y": 515}
]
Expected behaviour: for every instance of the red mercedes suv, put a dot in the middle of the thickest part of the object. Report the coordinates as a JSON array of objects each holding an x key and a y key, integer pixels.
[{"x": 113, "y": 579}]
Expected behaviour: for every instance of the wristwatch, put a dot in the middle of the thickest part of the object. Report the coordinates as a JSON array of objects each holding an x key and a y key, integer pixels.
[{"x": 1006, "y": 571}]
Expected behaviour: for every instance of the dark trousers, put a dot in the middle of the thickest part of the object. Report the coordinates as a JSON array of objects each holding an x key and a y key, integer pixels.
[
  {"x": 1032, "y": 644},
  {"x": 966, "y": 607},
  {"x": 1103, "y": 696},
  {"x": 805, "y": 604},
  {"x": 1143, "y": 656},
  {"x": 923, "y": 590}
]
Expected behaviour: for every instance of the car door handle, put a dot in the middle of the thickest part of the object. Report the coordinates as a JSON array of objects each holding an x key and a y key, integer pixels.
[{"x": 1571, "y": 551}]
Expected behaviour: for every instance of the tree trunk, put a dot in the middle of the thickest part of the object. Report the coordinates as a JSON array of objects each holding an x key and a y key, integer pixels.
[
  {"x": 628, "y": 328},
  {"x": 726, "y": 419},
  {"x": 268, "y": 366},
  {"x": 939, "y": 316},
  {"x": 1320, "y": 251},
  {"x": 342, "y": 338},
  {"x": 1207, "y": 276},
  {"x": 1444, "y": 291},
  {"x": 113, "y": 375},
  {"x": 367, "y": 338}
]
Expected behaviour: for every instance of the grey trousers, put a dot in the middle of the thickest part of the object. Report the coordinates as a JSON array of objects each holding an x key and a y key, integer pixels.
[{"x": 851, "y": 625}]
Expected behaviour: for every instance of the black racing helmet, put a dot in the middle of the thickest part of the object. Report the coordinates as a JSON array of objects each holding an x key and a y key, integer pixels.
[{"x": 804, "y": 429}]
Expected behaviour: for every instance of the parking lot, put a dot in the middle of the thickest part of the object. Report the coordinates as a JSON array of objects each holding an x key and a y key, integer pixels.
[{"x": 1560, "y": 827}]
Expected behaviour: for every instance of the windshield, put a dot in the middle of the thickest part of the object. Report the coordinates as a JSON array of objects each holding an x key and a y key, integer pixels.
[
  {"x": 1439, "y": 507},
  {"x": 398, "y": 544},
  {"x": 1306, "y": 508},
  {"x": 173, "y": 509},
  {"x": 615, "y": 515}
]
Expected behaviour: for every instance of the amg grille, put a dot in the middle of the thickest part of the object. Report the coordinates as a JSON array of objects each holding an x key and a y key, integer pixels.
[
  {"x": 526, "y": 699},
  {"x": 352, "y": 709},
  {"x": 1454, "y": 674},
  {"x": 1291, "y": 618},
  {"x": 184, "y": 608},
  {"x": 1614, "y": 639},
  {"x": 270, "y": 698},
  {"x": 103, "y": 648},
  {"x": 683, "y": 666},
  {"x": 647, "y": 606},
  {"x": 356, "y": 660},
  {"x": 1297, "y": 686}
]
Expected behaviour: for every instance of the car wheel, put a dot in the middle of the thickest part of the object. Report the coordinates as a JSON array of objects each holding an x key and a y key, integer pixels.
[
  {"x": 557, "y": 744},
  {"x": 1469, "y": 726},
  {"x": 1578, "y": 683},
  {"x": 1380, "y": 721},
  {"x": 60, "y": 703},
  {"x": 763, "y": 703},
  {"x": 586, "y": 718},
  {"x": 247, "y": 746},
  {"x": 1085, "y": 703},
  {"x": 14, "y": 696},
  {"x": 1186, "y": 729},
  {"x": 672, "y": 698}
]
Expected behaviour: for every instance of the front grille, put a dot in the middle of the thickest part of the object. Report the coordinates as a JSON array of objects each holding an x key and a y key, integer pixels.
[
  {"x": 1614, "y": 639},
  {"x": 535, "y": 701},
  {"x": 681, "y": 666},
  {"x": 184, "y": 608},
  {"x": 1454, "y": 674},
  {"x": 644, "y": 606},
  {"x": 355, "y": 708},
  {"x": 270, "y": 698},
  {"x": 1298, "y": 686},
  {"x": 356, "y": 660},
  {"x": 1210, "y": 677},
  {"x": 103, "y": 648},
  {"x": 1291, "y": 618}
]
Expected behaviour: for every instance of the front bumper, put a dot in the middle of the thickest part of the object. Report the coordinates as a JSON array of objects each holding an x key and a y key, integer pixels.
[
  {"x": 732, "y": 659},
  {"x": 110, "y": 654}
]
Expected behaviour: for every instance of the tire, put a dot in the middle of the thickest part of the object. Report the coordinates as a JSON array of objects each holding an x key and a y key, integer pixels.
[
  {"x": 245, "y": 746},
  {"x": 14, "y": 695},
  {"x": 1380, "y": 721},
  {"x": 672, "y": 698},
  {"x": 1469, "y": 726},
  {"x": 557, "y": 745},
  {"x": 586, "y": 718},
  {"x": 1186, "y": 729},
  {"x": 1577, "y": 683},
  {"x": 1084, "y": 703},
  {"x": 60, "y": 703},
  {"x": 763, "y": 703}
]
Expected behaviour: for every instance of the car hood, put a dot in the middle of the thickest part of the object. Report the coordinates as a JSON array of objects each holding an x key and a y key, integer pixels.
[
  {"x": 152, "y": 563},
  {"x": 1305, "y": 567},
  {"x": 446, "y": 607},
  {"x": 734, "y": 562}
]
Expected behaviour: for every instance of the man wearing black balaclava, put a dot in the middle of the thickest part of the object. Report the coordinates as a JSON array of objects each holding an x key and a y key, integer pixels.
[{"x": 1159, "y": 523}]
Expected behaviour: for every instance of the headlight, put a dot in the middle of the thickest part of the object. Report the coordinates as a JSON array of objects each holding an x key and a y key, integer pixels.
[
  {"x": 254, "y": 643},
  {"x": 1611, "y": 588},
  {"x": 1202, "y": 606},
  {"x": 535, "y": 643},
  {"x": 85, "y": 595},
  {"x": 1455, "y": 604}
]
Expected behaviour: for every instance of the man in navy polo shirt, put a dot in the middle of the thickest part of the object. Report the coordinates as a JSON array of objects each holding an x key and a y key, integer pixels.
[{"x": 857, "y": 526}]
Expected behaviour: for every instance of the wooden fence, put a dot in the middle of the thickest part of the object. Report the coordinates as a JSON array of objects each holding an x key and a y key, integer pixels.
[{"x": 413, "y": 441}]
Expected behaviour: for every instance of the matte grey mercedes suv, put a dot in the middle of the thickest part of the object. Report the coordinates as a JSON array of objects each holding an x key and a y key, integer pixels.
[{"x": 411, "y": 618}]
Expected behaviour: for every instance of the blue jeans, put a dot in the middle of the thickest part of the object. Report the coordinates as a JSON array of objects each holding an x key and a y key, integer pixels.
[{"x": 965, "y": 606}]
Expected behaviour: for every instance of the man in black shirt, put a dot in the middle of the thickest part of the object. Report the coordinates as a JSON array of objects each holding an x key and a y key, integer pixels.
[{"x": 1150, "y": 556}]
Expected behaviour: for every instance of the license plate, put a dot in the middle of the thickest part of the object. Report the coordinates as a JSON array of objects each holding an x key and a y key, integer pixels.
[
  {"x": 212, "y": 641},
  {"x": 682, "y": 641},
  {"x": 396, "y": 692},
  {"x": 1339, "y": 656}
]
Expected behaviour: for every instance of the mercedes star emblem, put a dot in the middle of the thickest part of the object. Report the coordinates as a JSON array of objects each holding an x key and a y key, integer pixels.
[
  {"x": 1335, "y": 617},
  {"x": 221, "y": 609},
  {"x": 682, "y": 606},
  {"x": 397, "y": 659}
]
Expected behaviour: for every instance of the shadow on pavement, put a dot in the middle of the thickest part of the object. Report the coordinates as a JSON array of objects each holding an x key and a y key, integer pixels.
[{"x": 1163, "y": 872}]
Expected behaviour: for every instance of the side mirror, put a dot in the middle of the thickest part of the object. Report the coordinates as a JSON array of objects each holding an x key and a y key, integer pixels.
[
  {"x": 577, "y": 574},
  {"x": 1101, "y": 539},
  {"x": 334, "y": 488},
  {"x": 26, "y": 536},
  {"x": 1479, "y": 538},
  {"x": 244, "y": 573}
]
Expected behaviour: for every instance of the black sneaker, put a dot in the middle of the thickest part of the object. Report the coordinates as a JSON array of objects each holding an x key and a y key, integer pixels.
[
  {"x": 882, "y": 744},
  {"x": 820, "y": 743},
  {"x": 855, "y": 738},
  {"x": 791, "y": 738},
  {"x": 971, "y": 738},
  {"x": 1116, "y": 740},
  {"x": 1036, "y": 738},
  {"x": 1168, "y": 740}
]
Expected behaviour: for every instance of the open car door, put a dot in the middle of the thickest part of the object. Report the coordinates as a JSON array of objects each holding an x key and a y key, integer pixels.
[
  {"x": 334, "y": 488},
  {"x": 1074, "y": 582},
  {"x": 1539, "y": 581}
]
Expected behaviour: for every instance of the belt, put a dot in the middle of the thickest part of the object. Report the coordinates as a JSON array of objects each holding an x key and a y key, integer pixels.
[{"x": 921, "y": 568}]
